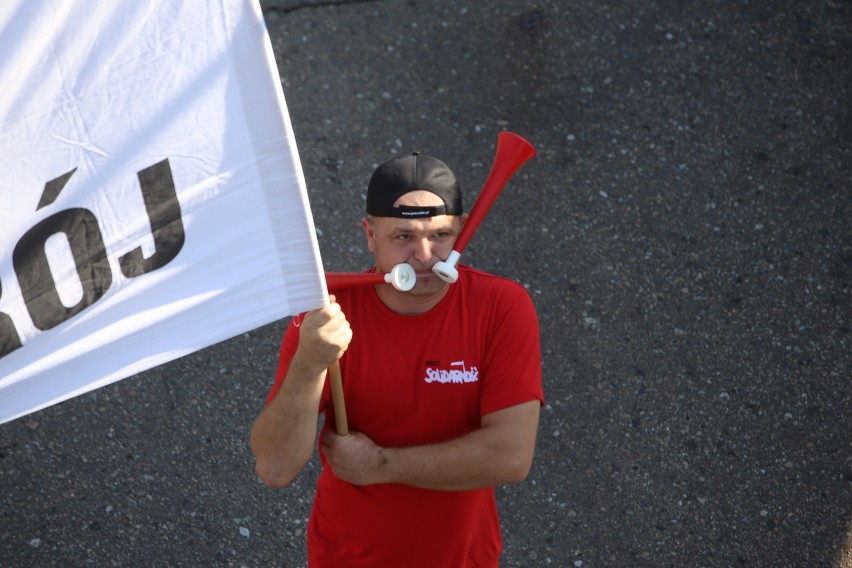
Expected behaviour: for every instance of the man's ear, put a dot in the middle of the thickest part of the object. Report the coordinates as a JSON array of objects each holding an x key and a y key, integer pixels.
[{"x": 370, "y": 233}]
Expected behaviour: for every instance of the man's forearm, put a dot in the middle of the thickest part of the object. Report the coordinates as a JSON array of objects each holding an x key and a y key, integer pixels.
[
  {"x": 499, "y": 452},
  {"x": 471, "y": 462},
  {"x": 283, "y": 436}
]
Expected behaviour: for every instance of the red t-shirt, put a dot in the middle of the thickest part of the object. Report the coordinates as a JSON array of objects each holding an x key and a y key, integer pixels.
[{"x": 413, "y": 380}]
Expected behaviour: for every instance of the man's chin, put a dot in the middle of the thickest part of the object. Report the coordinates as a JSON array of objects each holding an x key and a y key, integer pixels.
[{"x": 427, "y": 283}]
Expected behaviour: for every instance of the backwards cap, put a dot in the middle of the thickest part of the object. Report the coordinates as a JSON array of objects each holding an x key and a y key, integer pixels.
[{"x": 404, "y": 174}]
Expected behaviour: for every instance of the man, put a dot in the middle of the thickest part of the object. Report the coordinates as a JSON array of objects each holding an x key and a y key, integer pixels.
[{"x": 442, "y": 390}]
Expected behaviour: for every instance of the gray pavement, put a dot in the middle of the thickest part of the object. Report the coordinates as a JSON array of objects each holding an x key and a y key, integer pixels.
[{"x": 684, "y": 232}]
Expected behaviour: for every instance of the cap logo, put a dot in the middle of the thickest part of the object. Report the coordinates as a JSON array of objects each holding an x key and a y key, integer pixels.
[{"x": 412, "y": 212}]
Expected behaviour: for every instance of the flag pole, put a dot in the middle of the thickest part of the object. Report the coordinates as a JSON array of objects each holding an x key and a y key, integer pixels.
[{"x": 340, "y": 421}]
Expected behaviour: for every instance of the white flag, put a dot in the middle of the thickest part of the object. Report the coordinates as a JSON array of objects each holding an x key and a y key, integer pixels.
[{"x": 151, "y": 197}]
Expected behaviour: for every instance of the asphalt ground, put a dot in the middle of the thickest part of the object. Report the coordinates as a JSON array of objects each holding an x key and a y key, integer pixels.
[{"x": 684, "y": 232}]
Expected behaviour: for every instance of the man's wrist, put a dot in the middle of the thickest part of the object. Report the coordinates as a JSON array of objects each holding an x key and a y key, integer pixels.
[
  {"x": 306, "y": 368},
  {"x": 385, "y": 463}
]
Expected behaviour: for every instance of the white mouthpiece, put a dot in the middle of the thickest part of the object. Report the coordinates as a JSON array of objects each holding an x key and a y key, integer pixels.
[
  {"x": 446, "y": 270},
  {"x": 402, "y": 277}
]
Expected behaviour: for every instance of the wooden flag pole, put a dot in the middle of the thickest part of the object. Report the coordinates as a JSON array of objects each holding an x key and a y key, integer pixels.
[{"x": 337, "y": 399}]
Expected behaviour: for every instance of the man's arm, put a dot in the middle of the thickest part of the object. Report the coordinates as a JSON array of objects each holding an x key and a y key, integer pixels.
[
  {"x": 283, "y": 435},
  {"x": 500, "y": 452}
]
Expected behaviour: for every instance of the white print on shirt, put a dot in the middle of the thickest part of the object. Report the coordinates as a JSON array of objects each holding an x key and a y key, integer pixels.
[{"x": 453, "y": 375}]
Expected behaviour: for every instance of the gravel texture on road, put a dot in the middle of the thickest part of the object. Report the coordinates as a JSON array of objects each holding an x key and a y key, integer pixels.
[{"x": 684, "y": 232}]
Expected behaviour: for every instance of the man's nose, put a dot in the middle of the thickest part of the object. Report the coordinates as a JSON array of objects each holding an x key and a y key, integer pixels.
[{"x": 423, "y": 250}]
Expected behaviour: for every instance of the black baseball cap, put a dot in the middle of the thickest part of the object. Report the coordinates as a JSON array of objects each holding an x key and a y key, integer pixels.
[{"x": 413, "y": 172}]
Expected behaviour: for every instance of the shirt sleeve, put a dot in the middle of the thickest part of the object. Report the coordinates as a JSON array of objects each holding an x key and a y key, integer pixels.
[
  {"x": 513, "y": 372},
  {"x": 288, "y": 348}
]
